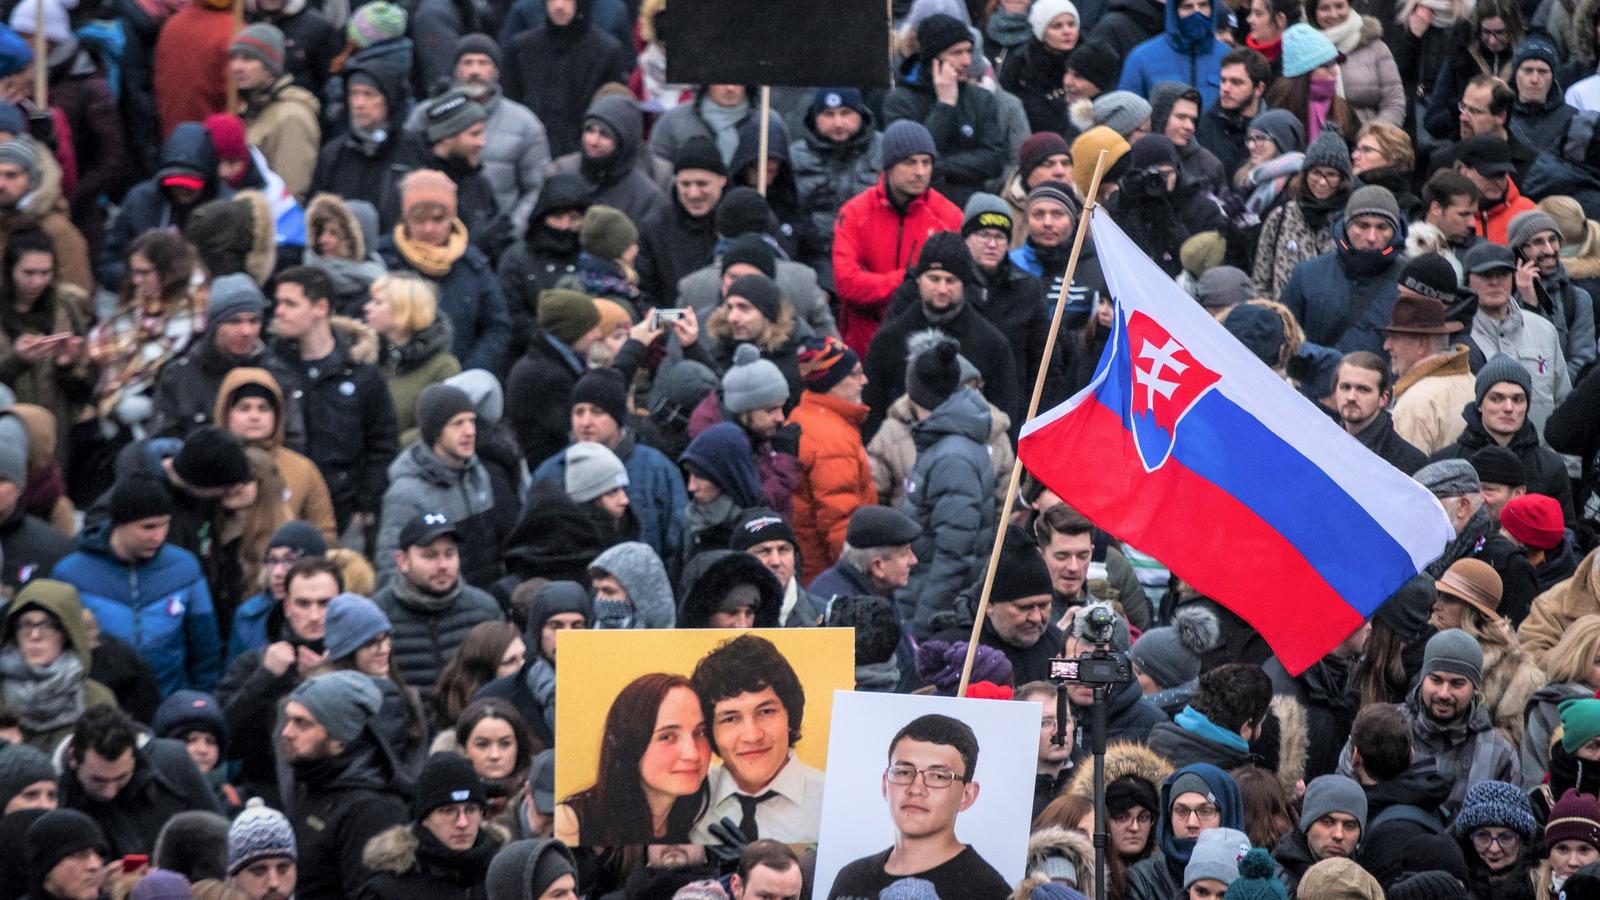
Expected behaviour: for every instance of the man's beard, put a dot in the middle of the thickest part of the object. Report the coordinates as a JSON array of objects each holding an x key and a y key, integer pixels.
[{"x": 477, "y": 90}]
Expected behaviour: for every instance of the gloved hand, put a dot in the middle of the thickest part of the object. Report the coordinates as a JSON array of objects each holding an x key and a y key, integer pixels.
[
  {"x": 787, "y": 439},
  {"x": 730, "y": 843}
]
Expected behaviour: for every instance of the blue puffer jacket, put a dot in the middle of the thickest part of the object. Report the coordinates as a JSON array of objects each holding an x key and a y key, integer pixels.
[
  {"x": 1343, "y": 299},
  {"x": 161, "y": 607},
  {"x": 655, "y": 491},
  {"x": 250, "y": 626},
  {"x": 1170, "y": 56}
]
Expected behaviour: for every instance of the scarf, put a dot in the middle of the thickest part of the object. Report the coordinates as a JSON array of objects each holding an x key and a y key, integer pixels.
[
  {"x": 1268, "y": 178},
  {"x": 1271, "y": 51},
  {"x": 936, "y": 317},
  {"x": 703, "y": 517},
  {"x": 1008, "y": 29},
  {"x": 433, "y": 261},
  {"x": 1317, "y": 212},
  {"x": 881, "y": 677},
  {"x": 1445, "y": 12},
  {"x": 1346, "y": 35},
  {"x": 44, "y": 698},
  {"x": 1196, "y": 723},
  {"x": 417, "y": 598},
  {"x": 724, "y": 122},
  {"x": 1319, "y": 102},
  {"x": 1472, "y": 537}
]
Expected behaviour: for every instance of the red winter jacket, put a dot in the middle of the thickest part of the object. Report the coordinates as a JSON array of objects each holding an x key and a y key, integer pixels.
[{"x": 873, "y": 245}]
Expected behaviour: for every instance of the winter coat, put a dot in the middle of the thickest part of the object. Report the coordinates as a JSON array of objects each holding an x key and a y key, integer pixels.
[
  {"x": 1382, "y": 852},
  {"x": 673, "y": 244},
  {"x": 1542, "y": 124},
  {"x": 1556, "y": 609},
  {"x": 538, "y": 395},
  {"x": 487, "y": 229},
  {"x": 893, "y": 453},
  {"x": 797, "y": 282},
  {"x": 421, "y": 482},
  {"x": 1015, "y": 304},
  {"x": 540, "y": 260},
  {"x": 1286, "y": 241},
  {"x": 1033, "y": 74},
  {"x": 1546, "y": 472},
  {"x": 1223, "y": 132},
  {"x": 1510, "y": 678},
  {"x": 45, "y": 209},
  {"x": 1571, "y": 309},
  {"x": 1574, "y": 430},
  {"x": 1429, "y": 398},
  {"x": 1493, "y": 222},
  {"x": 339, "y": 805},
  {"x": 623, "y": 180},
  {"x": 145, "y": 205},
  {"x": 408, "y": 863},
  {"x": 187, "y": 388},
  {"x": 656, "y": 492},
  {"x": 1168, "y": 57},
  {"x": 980, "y": 341},
  {"x": 972, "y": 150},
  {"x": 424, "y": 359},
  {"x": 305, "y": 492},
  {"x": 555, "y": 72},
  {"x": 165, "y": 782},
  {"x": 310, "y": 43},
  {"x": 29, "y": 548},
  {"x": 709, "y": 576},
  {"x": 516, "y": 153},
  {"x": 428, "y": 629},
  {"x": 61, "y": 391},
  {"x": 1192, "y": 738},
  {"x": 1465, "y": 752},
  {"x": 688, "y": 120},
  {"x": 1127, "y": 24},
  {"x": 828, "y": 174},
  {"x": 873, "y": 245},
  {"x": 191, "y": 59},
  {"x": 1541, "y": 721},
  {"x": 1343, "y": 299},
  {"x": 436, "y": 26},
  {"x": 141, "y": 123},
  {"x": 250, "y": 697},
  {"x": 62, "y": 603},
  {"x": 282, "y": 121},
  {"x": 835, "y": 475},
  {"x": 1372, "y": 86},
  {"x": 80, "y": 90},
  {"x": 950, "y": 494},
  {"x": 361, "y": 168},
  {"x": 1130, "y": 717},
  {"x": 350, "y": 423},
  {"x": 1382, "y": 439},
  {"x": 1558, "y": 173},
  {"x": 1533, "y": 341},
  {"x": 779, "y": 471},
  {"x": 161, "y": 606}
]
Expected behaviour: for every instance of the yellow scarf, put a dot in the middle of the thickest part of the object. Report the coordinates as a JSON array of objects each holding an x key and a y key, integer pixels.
[{"x": 431, "y": 260}]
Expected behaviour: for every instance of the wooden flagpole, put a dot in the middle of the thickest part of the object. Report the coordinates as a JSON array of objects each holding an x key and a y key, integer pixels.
[
  {"x": 761, "y": 158},
  {"x": 1033, "y": 409},
  {"x": 41, "y": 51}
]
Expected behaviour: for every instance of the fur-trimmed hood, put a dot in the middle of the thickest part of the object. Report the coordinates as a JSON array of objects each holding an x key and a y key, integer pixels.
[
  {"x": 1075, "y": 846},
  {"x": 1123, "y": 759},
  {"x": 777, "y": 337},
  {"x": 358, "y": 336},
  {"x": 244, "y": 375},
  {"x": 263, "y": 255},
  {"x": 1294, "y": 740},
  {"x": 332, "y": 210},
  {"x": 395, "y": 849},
  {"x": 709, "y": 576},
  {"x": 1582, "y": 34}
]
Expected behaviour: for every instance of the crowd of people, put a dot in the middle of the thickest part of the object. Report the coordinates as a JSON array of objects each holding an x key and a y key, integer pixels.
[{"x": 350, "y": 354}]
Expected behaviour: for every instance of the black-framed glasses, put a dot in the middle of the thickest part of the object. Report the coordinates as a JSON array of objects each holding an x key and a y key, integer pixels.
[
  {"x": 1484, "y": 838},
  {"x": 935, "y": 779}
]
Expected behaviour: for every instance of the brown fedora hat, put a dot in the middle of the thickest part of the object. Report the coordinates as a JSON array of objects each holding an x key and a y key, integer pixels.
[
  {"x": 1473, "y": 582},
  {"x": 1416, "y": 314}
]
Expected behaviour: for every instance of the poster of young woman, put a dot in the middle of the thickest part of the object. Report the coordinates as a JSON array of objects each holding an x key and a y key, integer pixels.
[{"x": 670, "y": 737}]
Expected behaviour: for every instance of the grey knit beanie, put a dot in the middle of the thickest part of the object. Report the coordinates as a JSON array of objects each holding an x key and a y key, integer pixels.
[
  {"x": 1333, "y": 794},
  {"x": 20, "y": 766},
  {"x": 1121, "y": 111},
  {"x": 902, "y": 139},
  {"x": 592, "y": 472},
  {"x": 342, "y": 702},
  {"x": 752, "y": 382},
  {"x": 524, "y": 870},
  {"x": 353, "y": 622},
  {"x": 1216, "y": 856},
  {"x": 1454, "y": 652},
  {"x": 1373, "y": 200},
  {"x": 1329, "y": 149},
  {"x": 260, "y": 832},
  {"x": 233, "y": 295},
  {"x": 1170, "y": 655},
  {"x": 1501, "y": 367},
  {"x": 1525, "y": 225}
]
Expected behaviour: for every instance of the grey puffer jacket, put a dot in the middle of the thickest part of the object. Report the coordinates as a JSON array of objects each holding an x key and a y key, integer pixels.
[
  {"x": 951, "y": 495},
  {"x": 702, "y": 289},
  {"x": 1541, "y": 719},
  {"x": 427, "y": 629},
  {"x": 421, "y": 482},
  {"x": 515, "y": 155},
  {"x": 827, "y": 174}
]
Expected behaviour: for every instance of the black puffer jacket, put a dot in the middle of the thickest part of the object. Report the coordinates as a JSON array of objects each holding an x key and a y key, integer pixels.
[
  {"x": 672, "y": 244},
  {"x": 555, "y": 71},
  {"x": 969, "y": 138},
  {"x": 186, "y": 389},
  {"x": 542, "y": 258},
  {"x": 429, "y": 628},
  {"x": 338, "y": 805}
]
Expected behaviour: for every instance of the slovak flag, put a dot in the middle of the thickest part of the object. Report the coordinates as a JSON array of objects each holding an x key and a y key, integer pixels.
[{"x": 1188, "y": 448}]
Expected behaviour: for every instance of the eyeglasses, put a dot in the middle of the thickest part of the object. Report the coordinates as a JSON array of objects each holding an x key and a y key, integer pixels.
[
  {"x": 1483, "y": 838},
  {"x": 1206, "y": 813},
  {"x": 935, "y": 779},
  {"x": 990, "y": 236},
  {"x": 31, "y": 626},
  {"x": 1498, "y": 34},
  {"x": 1364, "y": 149},
  {"x": 1133, "y": 817},
  {"x": 1471, "y": 110},
  {"x": 287, "y": 558},
  {"x": 1328, "y": 177},
  {"x": 1257, "y": 139}
]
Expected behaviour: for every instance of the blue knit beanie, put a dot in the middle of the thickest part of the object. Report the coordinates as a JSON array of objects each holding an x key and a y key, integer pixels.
[
  {"x": 353, "y": 621},
  {"x": 1305, "y": 48},
  {"x": 905, "y": 138},
  {"x": 1496, "y": 803}
]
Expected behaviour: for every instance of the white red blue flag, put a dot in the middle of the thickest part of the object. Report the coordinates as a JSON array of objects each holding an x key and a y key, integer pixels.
[{"x": 1187, "y": 447}]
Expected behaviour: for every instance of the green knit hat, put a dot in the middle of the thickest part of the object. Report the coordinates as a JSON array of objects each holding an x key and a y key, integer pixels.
[
  {"x": 567, "y": 315},
  {"x": 1580, "y": 722},
  {"x": 607, "y": 232},
  {"x": 1257, "y": 879}
]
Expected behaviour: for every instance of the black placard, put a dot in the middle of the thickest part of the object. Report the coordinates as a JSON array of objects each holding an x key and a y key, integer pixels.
[{"x": 800, "y": 43}]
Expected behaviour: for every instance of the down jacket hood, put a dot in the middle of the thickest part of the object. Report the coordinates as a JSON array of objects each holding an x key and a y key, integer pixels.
[
  {"x": 622, "y": 116},
  {"x": 639, "y": 570},
  {"x": 327, "y": 210},
  {"x": 722, "y": 454},
  {"x": 966, "y": 413},
  {"x": 391, "y": 81},
  {"x": 188, "y": 151},
  {"x": 59, "y": 599},
  {"x": 709, "y": 576}
]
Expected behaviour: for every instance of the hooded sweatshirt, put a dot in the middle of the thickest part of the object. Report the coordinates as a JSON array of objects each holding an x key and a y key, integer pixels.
[
  {"x": 1186, "y": 51},
  {"x": 620, "y": 180},
  {"x": 76, "y": 691}
]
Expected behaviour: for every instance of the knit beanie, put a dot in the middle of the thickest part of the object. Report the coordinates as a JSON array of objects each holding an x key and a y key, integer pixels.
[
  {"x": 1096, "y": 63},
  {"x": 1580, "y": 722},
  {"x": 1338, "y": 878},
  {"x": 479, "y": 43},
  {"x": 1567, "y": 212},
  {"x": 710, "y": 889},
  {"x": 933, "y": 375},
  {"x": 1330, "y": 150},
  {"x": 761, "y": 292},
  {"x": 592, "y": 471},
  {"x": 1286, "y": 131},
  {"x": 1022, "y": 572},
  {"x": 343, "y": 702},
  {"x": 450, "y": 114},
  {"x": 1499, "y": 368},
  {"x": 211, "y": 458},
  {"x": 607, "y": 232},
  {"x": 162, "y": 884},
  {"x": 233, "y": 295},
  {"x": 353, "y": 622},
  {"x": 1053, "y": 192},
  {"x": 260, "y": 41},
  {"x": 566, "y": 314},
  {"x": 187, "y": 711},
  {"x": 905, "y": 138},
  {"x": 1051, "y": 890},
  {"x": 1430, "y": 885},
  {"x": 1038, "y": 147},
  {"x": 1153, "y": 150},
  {"x": 1432, "y": 276},
  {"x": 1216, "y": 855},
  {"x": 603, "y": 388},
  {"x": 939, "y": 663},
  {"x": 300, "y": 536},
  {"x": 1535, "y": 47},
  {"x": 938, "y": 33},
  {"x": 1170, "y": 655},
  {"x": 753, "y": 382},
  {"x": 1525, "y": 225},
  {"x": 446, "y": 778},
  {"x": 750, "y": 250},
  {"x": 1575, "y": 817},
  {"x": 1534, "y": 520},
  {"x": 1043, "y": 12},
  {"x": 22, "y": 765},
  {"x": 947, "y": 252},
  {"x": 1086, "y": 150},
  {"x": 1448, "y": 478},
  {"x": 985, "y": 210},
  {"x": 57, "y": 835},
  {"x": 1257, "y": 878},
  {"x": 838, "y": 98},
  {"x": 1333, "y": 794},
  {"x": 524, "y": 870},
  {"x": 742, "y": 210},
  {"x": 1304, "y": 49},
  {"x": 824, "y": 362},
  {"x": 228, "y": 139},
  {"x": 436, "y": 406},
  {"x": 1130, "y": 792},
  {"x": 421, "y": 186},
  {"x": 1373, "y": 200},
  {"x": 1221, "y": 287},
  {"x": 1455, "y": 652},
  {"x": 259, "y": 832},
  {"x": 699, "y": 152},
  {"x": 14, "y": 449},
  {"x": 1121, "y": 111},
  {"x": 19, "y": 151},
  {"x": 138, "y": 496},
  {"x": 1497, "y": 465},
  {"x": 375, "y": 22},
  {"x": 1259, "y": 329},
  {"x": 1495, "y": 803}
]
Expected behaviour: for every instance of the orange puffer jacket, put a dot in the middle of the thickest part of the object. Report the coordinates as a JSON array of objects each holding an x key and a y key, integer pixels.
[{"x": 835, "y": 476}]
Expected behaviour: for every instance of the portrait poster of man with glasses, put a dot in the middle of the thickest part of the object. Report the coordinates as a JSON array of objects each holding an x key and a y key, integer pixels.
[{"x": 954, "y": 776}]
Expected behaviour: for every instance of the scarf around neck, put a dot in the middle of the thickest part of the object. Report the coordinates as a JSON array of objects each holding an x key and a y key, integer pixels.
[
  {"x": 1346, "y": 35},
  {"x": 1271, "y": 51},
  {"x": 46, "y": 697},
  {"x": 433, "y": 261},
  {"x": 1008, "y": 29}
]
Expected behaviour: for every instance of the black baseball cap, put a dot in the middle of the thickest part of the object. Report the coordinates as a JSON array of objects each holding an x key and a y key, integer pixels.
[
  {"x": 1488, "y": 154},
  {"x": 1486, "y": 257},
  {"x": 425, "y": 529}
]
